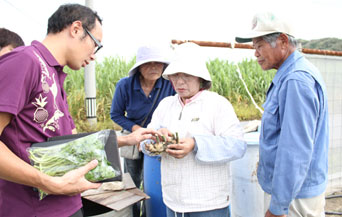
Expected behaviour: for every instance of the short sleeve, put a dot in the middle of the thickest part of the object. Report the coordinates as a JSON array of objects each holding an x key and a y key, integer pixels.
[{"x": 18, "y": 78}]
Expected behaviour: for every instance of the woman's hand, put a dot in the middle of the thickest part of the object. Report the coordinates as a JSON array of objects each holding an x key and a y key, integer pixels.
[
  {"x": 165, "y": 132},
  {"x": 180, "y": 150}
]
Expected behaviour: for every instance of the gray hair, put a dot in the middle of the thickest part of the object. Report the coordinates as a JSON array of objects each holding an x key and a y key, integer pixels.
[{"x": 272, "y": 38}]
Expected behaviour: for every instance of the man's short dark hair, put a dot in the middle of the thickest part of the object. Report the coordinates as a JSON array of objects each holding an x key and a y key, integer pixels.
[
  {"x": 68, "y": 13},
  {"x": 8, "y": 37}
]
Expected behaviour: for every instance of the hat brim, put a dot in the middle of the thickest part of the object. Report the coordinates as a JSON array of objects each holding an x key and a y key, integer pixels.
[
  {"x": 187, "y": 68},
  {"x": 134, "y": 69},
  {"x": 254, "y": 34}
]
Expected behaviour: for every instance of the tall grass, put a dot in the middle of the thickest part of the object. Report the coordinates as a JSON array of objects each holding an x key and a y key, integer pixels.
[
  {"x": 224, "y": 75},
  {"x": 227, "y": 83},
  {"x": 226, "y": 80}
]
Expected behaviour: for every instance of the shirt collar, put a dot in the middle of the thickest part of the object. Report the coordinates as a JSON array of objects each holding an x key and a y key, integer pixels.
[
  {"x": 187, "y": 101},
  {"x": 282, "y": 71},
  {"x": 46, "y": 55}
]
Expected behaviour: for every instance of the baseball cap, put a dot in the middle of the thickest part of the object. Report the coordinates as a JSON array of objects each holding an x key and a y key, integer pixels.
[{"x": 264, "y": 24}]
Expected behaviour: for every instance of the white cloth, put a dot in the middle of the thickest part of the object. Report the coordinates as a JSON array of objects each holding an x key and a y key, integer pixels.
[
  {"x": 302, "y": 207},
  {"x": 197, "y": 182}
]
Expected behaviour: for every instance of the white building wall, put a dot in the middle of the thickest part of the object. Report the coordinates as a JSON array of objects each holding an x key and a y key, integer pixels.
[{"x": 331, "y": 70}]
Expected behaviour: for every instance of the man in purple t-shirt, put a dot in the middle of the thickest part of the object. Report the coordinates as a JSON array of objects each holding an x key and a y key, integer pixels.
[{"x": 33, "y": 107}]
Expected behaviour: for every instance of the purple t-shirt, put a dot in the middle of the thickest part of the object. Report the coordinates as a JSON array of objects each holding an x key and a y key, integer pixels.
[{"x": 31, "y": 82}]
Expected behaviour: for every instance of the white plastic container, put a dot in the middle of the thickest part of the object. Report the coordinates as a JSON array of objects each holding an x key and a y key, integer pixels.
[{"x": 247, "y": 196}]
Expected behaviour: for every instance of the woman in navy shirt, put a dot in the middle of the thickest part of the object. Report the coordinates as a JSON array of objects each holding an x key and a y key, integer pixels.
[{"x": 134, "y": 97}]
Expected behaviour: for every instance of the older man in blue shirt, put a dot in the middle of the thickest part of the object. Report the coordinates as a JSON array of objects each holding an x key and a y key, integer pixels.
[{"x": 293, "y": 165}]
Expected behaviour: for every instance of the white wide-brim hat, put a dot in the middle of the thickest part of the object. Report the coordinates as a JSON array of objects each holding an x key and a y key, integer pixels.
[
  {"x": 149, "y": 53},
  {"x": 265, "y": 24},
  {"x": 189, "y": 61}
]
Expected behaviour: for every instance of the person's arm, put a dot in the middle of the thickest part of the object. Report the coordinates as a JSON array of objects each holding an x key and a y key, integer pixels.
[
  {"x": 219, "y": 149},
  {"x": 118, "y": 108},
  {"x": 14, "y": 169},
  {"x": 295, "y": 143},
  {"x": 225, "y": 148},
  {"x": 136, "y": 127},
  {"x": 269, "y": 214},
  {"x": 136, "y": 137},
  {"x": 227, "y": 143}
]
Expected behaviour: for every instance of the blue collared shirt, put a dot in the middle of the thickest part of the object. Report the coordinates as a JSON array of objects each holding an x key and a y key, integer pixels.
[
  {"x": 130, "y": 105},
  {"x": 294, "y": 135}
]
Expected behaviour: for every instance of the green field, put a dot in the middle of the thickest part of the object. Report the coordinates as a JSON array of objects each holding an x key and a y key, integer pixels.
[{"x": 224, "y": 74}]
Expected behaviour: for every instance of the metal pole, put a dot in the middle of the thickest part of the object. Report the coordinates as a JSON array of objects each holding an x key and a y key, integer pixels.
[
  {"x": 90, "y": 84},
  {"x": 249, "y": 46}
]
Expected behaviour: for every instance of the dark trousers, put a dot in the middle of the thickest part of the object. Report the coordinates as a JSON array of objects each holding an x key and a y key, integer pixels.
[
  {"x": 135, "y": 169},
  {"x": 79, "y": 213}
]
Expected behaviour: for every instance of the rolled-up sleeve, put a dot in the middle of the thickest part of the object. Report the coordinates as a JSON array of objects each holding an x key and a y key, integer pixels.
[
  {"x": 219, "y": 149},
  {"x": 227, "y": 142}
]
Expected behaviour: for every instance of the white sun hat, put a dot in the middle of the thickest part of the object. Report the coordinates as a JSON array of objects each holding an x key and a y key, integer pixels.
[
  {"x": 189, "y": 61},
  {"x": 264, "y": 24},
  {"x": 149, "y": 53}
]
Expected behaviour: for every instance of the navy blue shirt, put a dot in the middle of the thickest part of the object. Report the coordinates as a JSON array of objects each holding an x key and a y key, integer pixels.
[{"x": 130, "y": 104}]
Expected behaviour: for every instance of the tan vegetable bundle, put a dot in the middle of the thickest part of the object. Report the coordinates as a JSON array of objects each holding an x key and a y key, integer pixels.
[{"x": 161, "y": 145}]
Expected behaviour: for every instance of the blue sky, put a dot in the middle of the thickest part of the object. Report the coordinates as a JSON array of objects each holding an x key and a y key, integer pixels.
[{"x": 129, "y": 23}]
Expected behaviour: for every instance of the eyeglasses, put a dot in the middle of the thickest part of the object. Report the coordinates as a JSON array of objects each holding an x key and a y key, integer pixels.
[
  {"x": 177, "y": 76},
  {"x": 98, "y": 45}
]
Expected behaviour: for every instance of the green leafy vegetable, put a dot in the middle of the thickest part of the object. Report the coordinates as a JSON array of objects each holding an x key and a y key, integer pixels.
[{"x": 60, "y": 159}]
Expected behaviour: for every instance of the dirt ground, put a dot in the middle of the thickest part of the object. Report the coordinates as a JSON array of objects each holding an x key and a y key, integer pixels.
[{"x": 334, "y": 205}]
